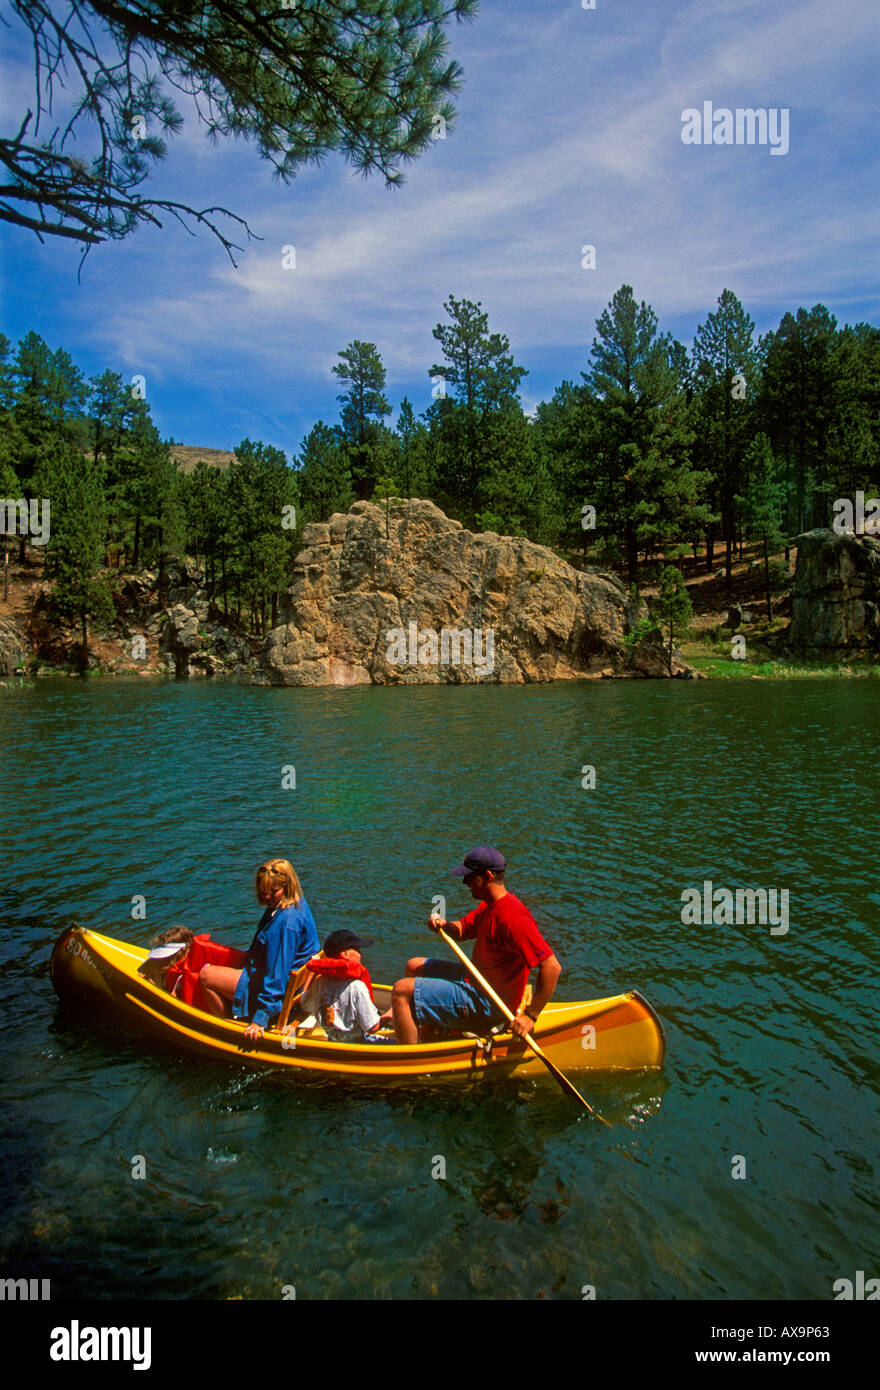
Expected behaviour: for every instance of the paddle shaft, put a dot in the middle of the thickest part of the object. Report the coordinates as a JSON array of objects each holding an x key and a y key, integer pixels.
[{"x": 500, "y": 1004}]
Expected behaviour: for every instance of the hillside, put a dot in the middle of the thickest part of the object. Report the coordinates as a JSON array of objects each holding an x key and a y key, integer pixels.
[{"x": 186, "y": 456}]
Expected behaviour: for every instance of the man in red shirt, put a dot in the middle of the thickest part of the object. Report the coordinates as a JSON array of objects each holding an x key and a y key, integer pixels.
[{"x": 441, "y": 994}]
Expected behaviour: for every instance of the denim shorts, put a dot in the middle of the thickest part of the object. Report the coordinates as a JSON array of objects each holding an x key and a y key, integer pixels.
[{"x": 445, "y": 997}]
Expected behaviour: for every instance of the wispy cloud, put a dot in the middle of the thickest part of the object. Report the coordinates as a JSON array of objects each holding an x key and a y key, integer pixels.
[{"x": 569, "y": 133}]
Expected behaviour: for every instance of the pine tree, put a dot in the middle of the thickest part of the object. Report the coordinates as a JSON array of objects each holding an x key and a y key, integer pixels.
[
  {"x": 479, "y": 367},
  {"x": 672, "y": 608},
  {"x": 565, "y": 433},
  {"x": 797, "y": 406},
  {"x": 10, "y": 445},
  {"x": 725, "y": 375},
  {"x": 854, "y": 424},
  {"x": 50, "y": 397},
  {"x": 120, "y": 432},
  {"x": 48, "y": 410},
  {"x": 385, "y": 492},
  {"x": 322, "y": 474},
  {"x": 412, "y": 469},
  {"x": 9, "y": 490},
  {"x": 74, "y": 484},
  {"x": 763, "y": 504},
  {"x": 210, "y": 526},
  {"x": 300, "y": 79},
  {"x": 363, "y": 407},
  {"x": 478, "y": 390},
  {"x": 260, "y": 486},
  {"x": 516, "y": 489},
  {"x": 647, "y": 493},
  {"x": 146, "y": 496},
  {"x": 203, "y": 494}
]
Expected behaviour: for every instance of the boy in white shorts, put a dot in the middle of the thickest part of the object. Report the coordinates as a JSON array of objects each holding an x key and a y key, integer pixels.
[{"x": 341, "y": 995}]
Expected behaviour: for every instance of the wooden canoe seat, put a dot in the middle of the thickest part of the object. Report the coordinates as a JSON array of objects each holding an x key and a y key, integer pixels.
[{"x": 298, "y": 981}]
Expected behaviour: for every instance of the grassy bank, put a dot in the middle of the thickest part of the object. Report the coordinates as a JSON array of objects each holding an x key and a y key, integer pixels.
[{"x": 759, "y": 667}]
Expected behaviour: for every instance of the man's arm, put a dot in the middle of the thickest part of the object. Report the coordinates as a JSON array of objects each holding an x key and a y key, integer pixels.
[
  {"x": 453, "y": 929},
  {"x": 548, "y": 973}
]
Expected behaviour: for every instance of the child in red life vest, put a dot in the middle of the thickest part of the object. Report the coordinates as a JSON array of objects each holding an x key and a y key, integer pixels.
[
  {"x": 178, "y": 956},
  {"x": 341, "y": 995},
  {"x": 170, "y": 947}
]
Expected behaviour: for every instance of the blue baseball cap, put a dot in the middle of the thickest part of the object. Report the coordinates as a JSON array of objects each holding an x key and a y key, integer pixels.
[
  {"x": 345, "y": 940},
  {"x": 479, "y": 860}
]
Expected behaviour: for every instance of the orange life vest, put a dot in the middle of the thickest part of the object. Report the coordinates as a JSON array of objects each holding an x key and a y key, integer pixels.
[{"x": 341, "y": 968}]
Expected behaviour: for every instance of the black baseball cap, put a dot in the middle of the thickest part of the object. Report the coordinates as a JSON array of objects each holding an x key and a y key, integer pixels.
[
  {"x": 480, "y": 859},
  {"x": 345, "y": 940}
]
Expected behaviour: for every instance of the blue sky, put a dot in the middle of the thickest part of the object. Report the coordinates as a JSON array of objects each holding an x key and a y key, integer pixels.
[{"x": 569, "y": 133}]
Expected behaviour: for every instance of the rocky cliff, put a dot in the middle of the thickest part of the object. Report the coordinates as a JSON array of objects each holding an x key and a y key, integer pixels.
[
  {"x": 835, "y": 611},
  {"x": 181, "y": 634},
  {"x": 411, "y": 598},
  {"x": 187, "y": 637}
]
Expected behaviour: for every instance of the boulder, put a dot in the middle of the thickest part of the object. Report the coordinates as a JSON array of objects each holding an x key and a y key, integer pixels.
[
  {"x": 136, "y": 594},
  {"x": 194, "y": 647},
  {"x": 433, "y": 603},
  {"x": 226, "y": 645},
  {"x": 835, "y": 599},
  {"x": 183, "y": 629},
  {"x": 180, "y": 639}
]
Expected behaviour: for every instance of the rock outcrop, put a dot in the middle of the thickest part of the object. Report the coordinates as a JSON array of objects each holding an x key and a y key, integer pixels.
[
  {"x": 835, "y": 609},
  {"x": 14, "y": 648},
  {"x": 413, "y": 598},
  {"x": 183, "y": 636},
  {"x": 196, "y": 647}
]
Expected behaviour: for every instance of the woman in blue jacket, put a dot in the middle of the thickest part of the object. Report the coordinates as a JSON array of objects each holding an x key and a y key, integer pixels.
[{"x": 286, "y": 938}]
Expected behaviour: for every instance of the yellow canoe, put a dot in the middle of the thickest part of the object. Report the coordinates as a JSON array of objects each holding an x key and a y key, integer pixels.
[{"x": 621, "y": 1033}]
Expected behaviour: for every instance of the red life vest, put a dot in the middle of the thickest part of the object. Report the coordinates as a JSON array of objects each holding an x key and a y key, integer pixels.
[
  {"x": 341, "y": 968},
  {"x": 203, "y": 951}
]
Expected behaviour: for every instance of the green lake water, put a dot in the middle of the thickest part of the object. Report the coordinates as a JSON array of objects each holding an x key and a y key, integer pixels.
[{"x": 256, "y": 1181}]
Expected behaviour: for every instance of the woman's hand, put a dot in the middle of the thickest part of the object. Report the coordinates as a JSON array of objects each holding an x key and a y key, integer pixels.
[{"x": 253, "y": 1030}]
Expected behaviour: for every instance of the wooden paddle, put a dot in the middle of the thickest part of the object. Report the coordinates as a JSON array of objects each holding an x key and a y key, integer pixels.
[{"x": 528, "y": 1039}]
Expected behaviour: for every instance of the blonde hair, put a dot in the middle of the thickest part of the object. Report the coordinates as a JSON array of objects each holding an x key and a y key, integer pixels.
[{"x": 278, "y": 873}]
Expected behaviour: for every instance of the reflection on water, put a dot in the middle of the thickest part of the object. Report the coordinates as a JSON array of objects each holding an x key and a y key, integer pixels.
[{"x": 254, "y": 1181}]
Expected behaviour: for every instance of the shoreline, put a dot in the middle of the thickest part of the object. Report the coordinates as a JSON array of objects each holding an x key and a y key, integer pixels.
[{"x": 707, "y": 665}]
